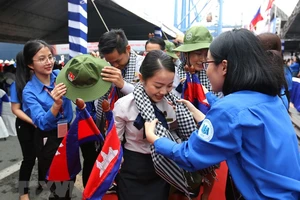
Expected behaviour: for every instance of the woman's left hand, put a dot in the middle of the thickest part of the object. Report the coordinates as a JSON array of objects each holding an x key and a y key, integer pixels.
[{"x": 150, "y": 131}]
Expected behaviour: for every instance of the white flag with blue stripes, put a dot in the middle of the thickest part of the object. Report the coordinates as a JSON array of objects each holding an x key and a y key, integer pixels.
[{"x": 78, "y": 28}]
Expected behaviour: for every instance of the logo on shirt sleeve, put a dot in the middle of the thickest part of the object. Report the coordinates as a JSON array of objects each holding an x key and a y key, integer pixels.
[{"x": 206, "y": 130}]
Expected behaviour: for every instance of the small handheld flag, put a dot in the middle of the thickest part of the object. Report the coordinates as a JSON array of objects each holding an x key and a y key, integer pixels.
[
  {"x": 193, "y": 91},
  {"x": 107, "y": 164},
  {"x": 66, "y": 162}
]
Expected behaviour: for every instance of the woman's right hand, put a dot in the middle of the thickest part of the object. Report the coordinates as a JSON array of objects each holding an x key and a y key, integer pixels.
[
  {"x": 58, "y": 92},
  {"x": 190, "y": 106},
  {"x": 197, "y": 114},
  {"x": 150, "y": 131}
]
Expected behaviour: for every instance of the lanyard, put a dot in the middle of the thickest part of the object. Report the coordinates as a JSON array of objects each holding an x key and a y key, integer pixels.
[{"x": 61, "y": 110}]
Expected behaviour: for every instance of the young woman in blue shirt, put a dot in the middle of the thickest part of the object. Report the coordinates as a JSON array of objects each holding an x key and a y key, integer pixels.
[
  {"x": 24, "y": 127},
  {"x": 45, "y": 104},
  {"x": 249, "y": 127}
]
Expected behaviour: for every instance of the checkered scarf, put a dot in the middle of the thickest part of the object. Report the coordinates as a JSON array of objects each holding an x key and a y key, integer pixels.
[
  {"x": 165, "y": 167},
  {"x": 128, "y": 74},
  {"x": 130, "y": 68}
]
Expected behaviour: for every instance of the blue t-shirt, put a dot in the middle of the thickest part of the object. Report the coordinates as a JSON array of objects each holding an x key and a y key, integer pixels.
[
  {"x": 37, "y": 103},
  {"x": 288, "y": 77},
  {"x": 13, "y": 93},
  {"x": 295, "y": 67},
  {"x": 254, "y": 134}
]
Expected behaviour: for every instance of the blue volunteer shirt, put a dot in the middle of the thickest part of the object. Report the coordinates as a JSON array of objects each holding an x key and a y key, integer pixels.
[
  {"x": 13, "y": 93},
  {"x": 37, "y": 103},
  {"x": 254, "y": 134},
  {"x": 295, "y": 67}
]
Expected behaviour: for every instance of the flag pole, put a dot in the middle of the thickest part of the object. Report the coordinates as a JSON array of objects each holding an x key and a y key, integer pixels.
[
  {"x": 100, "y": 15},
  {"x": 164, "y": 34}
]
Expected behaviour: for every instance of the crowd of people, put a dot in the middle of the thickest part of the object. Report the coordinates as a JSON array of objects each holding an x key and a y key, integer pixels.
[{"x": 246, "y": 83}]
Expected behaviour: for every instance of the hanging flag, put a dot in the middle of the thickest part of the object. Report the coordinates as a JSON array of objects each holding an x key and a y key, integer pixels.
[
  {"x": 157, "y": 32},
  {"x": 66, "y": 162},
  {"x": 258, "y": 17},
  {"x": 107, "y": 164},
  {"x": 193, "y": 91},
  {"x": 78, "y": 28},
  {"x": 270, "y": 3}
]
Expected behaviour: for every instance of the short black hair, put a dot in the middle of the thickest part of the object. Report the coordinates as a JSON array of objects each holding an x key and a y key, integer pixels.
[
  {"x": 114, "y": 39},
  {"x": 248, "y": 65},
  {"x": 157, "y": 40}
]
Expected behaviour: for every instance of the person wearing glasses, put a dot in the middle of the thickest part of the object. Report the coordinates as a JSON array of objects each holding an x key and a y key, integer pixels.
[
  {"x": 45, "y": 104},
  {"x": 248, "y": 128},
  {"x": 194, "y": 48}
]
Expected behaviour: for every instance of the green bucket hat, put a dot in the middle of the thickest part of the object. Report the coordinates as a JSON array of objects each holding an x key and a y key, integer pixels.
[
  {"x": 82, "y": 77},
  {"x": 170, "y": 46},
  {"x": 195, "y": 38}
]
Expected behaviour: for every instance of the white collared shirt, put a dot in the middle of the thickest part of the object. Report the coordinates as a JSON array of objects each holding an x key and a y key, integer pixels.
[{"x": 125, "y": 112}]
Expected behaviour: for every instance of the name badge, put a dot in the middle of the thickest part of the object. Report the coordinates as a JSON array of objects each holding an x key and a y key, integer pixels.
[{"x": 62, "y": 128}]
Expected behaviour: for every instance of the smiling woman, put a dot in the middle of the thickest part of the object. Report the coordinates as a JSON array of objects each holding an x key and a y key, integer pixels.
[{"x": 44, "y": 102}]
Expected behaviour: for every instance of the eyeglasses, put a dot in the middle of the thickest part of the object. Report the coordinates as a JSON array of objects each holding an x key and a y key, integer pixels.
[
  {"x": 205, "y": 64},
  {"x": 44, "y": 60}
]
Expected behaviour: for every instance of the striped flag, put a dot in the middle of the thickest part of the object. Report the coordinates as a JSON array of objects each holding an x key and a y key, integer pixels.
[
  {"x": 78, "y": 28},
  {"x": 107, "y": 164},
  {"x": 193, "y": 91},
  {"x": 258, "y": 17},
  {"x": 66, "y": 162}
]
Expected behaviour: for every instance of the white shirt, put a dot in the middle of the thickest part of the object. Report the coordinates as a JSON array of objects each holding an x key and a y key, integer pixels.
[{"x": 125, "y": 112}]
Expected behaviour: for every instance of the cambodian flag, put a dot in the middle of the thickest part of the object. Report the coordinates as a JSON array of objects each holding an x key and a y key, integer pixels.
[
  {"x": 258, "y": 17},
  {"x": 107, "y": 164},
  {"x": 193, "y": 92},
  {"x": 66, "y": 162},
  {"x": 113, "y": 97}
]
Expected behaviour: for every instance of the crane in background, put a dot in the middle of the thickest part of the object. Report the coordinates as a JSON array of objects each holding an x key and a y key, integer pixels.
[{"x": 189, "y": 12}]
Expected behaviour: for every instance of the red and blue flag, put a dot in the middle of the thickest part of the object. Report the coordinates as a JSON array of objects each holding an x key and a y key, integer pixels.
[
  {"x": 66, "y": 162},
  {"x": 258, "y": 17},
  {"x": 113, "y": 97},
  {"x": 107, "y": 164},
  {"x": 193, "y": 92}
]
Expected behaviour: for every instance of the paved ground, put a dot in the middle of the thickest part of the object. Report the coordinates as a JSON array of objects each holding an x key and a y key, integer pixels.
[{"x": 10, "y": 159}]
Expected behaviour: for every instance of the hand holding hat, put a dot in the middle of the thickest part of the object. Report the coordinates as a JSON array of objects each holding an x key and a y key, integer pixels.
[{"x": 82, "y": 77}]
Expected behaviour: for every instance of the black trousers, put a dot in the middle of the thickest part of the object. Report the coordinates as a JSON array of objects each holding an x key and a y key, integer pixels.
[
  {"x": 89, "y": 154},
  {"x": 46, "y": 149},
  {"x": 231, "y": 192},
  {"x": 25, "y": 133}
]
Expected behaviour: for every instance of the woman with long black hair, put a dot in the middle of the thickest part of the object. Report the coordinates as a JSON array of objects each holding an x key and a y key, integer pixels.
[{"x": 44, "y": 102}]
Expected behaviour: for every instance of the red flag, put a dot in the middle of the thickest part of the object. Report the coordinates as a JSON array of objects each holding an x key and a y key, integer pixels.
[
  {"x": 270, "y": 4},
  {"x": 193, "y": 91},
  {"x": 66, "y": 162},
  {"x": 258, "y": 17},
  {"x": 107, "y": 164},
  {"x": 113, "y": 97}
]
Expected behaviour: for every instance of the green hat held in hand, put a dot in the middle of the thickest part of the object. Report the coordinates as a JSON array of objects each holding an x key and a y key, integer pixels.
[
  {"x": 195, "y": 38},
  {"x": 82, "y": 76}
]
